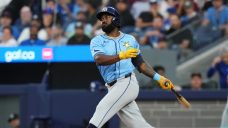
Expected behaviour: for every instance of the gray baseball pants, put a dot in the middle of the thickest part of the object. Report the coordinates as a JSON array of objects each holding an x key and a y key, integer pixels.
[
  {"x": 121, "y": 100},
  {"x": 224, "y": 121}
]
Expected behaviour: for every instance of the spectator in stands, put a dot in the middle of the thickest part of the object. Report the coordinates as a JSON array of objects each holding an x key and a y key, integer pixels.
[
  {"x": 130, "y": 2},
  {"x": 127, "y": 21},
  {"x": 180, "y": 7},
  {"x": 6, "y": 20},
  {"x": 145, "y": 19},
  {"x": 33, "y": 40},
  {"x": 177, "y": 33},
  {"x": 175, "y": 24},
  {"x": 162, "y": 43},
  {"x": 36, "y": 7},
  {"x": 79, "y": 37},
  {"x": 220, "y": 65},
  {"x": 153, "y": 34},
  {"x": 48, "y": 21},
  {"x": 50, "y": 4},
  {"x": 183, "y": 49},
  {"x": 14, "y": 120},
  {"x": 64, "y": 10},
  {"x": 25, "y": 34},
  {"x": 207, "y": 5},
  {"x": 7, "y": 39},
  {"x": 190, "y": 14},
  {"x": 48, "y": 17},
  {"x": 91, "y": 12},
  {"x": 217, "y": 16},
  {"x": 167, "y": 23},
  {"x": 81, "y": 17},
  {"x": 159, "y": 69},
  {"x": 91, "y": 17},
  {"x": 57, "y": 38},
  {"x": 76, "y": 7},
  {"x": 25, "y": 18},
  {"x": 165, "y": 5},
  {"x": 138, "y": 7},
  {"x": 196, "y": 82},
  {"x": 79, "y": 6}
]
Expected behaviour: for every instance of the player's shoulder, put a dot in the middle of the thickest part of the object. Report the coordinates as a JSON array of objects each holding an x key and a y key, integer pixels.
[
  {"x": 129, "y": 36},
  {"x": 97, "y": 39}
]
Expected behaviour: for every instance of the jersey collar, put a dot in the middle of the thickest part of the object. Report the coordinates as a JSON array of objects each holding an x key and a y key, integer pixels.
[{"x": 114, "y": 38}]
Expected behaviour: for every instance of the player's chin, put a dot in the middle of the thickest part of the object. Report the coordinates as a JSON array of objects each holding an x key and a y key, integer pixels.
[{"x": 104, "y": 25}]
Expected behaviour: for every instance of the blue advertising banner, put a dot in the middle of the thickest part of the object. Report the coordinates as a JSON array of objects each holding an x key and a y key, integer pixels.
[{"x": 46, "y": 54}]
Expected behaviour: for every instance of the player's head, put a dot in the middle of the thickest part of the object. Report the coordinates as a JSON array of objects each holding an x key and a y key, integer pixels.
[{"x": 110, "y": 19}]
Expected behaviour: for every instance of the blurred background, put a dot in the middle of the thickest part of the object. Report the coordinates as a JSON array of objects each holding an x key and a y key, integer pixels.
[{"x": 48, "y": 77}]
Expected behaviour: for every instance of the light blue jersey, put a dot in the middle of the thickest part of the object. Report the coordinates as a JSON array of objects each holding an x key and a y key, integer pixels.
[{"x": 104, "y": 44}]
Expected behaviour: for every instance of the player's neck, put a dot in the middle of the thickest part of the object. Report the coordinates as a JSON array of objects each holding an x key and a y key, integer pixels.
[{"x": 115, "y": 33}]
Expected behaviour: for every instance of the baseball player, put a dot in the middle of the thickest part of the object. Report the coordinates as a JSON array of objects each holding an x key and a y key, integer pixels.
[{"x": 116, "y": 55}]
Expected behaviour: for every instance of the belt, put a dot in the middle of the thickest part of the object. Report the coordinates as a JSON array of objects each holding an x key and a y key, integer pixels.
[{"x": 113, "y": 82}]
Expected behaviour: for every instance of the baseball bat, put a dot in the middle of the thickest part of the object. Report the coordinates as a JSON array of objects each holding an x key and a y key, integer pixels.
[{"x": 181, "y": 99}]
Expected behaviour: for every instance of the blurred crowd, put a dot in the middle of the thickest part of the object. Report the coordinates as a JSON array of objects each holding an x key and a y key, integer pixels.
[
  {"x": 159, "y": 23},
  {"x": 196, "y": 82}
]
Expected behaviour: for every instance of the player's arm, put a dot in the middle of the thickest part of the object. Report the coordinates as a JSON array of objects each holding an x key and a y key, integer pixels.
[
  {"x": 102, "y": 59},
  {"x": 143, "y": 67},
  {"x": 147, "y": 70}
]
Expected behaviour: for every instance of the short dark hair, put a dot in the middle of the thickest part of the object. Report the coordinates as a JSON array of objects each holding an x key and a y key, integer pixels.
[{"x": 198, "y": 74}]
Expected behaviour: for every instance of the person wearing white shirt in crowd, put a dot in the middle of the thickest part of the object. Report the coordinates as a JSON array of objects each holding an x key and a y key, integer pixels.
[
  {"x": 165, "y": 5},
  {"x": 140, "y": 6},
  {"x": 25, "y": 18},
  {"x": 57, "y": 38},
  {"x": 25, "y": 34},
  {"x": 7, "y": 39}
]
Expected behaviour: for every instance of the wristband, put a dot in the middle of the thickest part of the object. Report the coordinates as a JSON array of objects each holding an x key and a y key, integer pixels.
[{"x": 156, "y": 77}]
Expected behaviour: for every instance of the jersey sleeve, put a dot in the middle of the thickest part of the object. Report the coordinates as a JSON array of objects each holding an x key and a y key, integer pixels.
[
  {"x": 136, "y": 45},
  {"x": 96, "y": 47}
]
